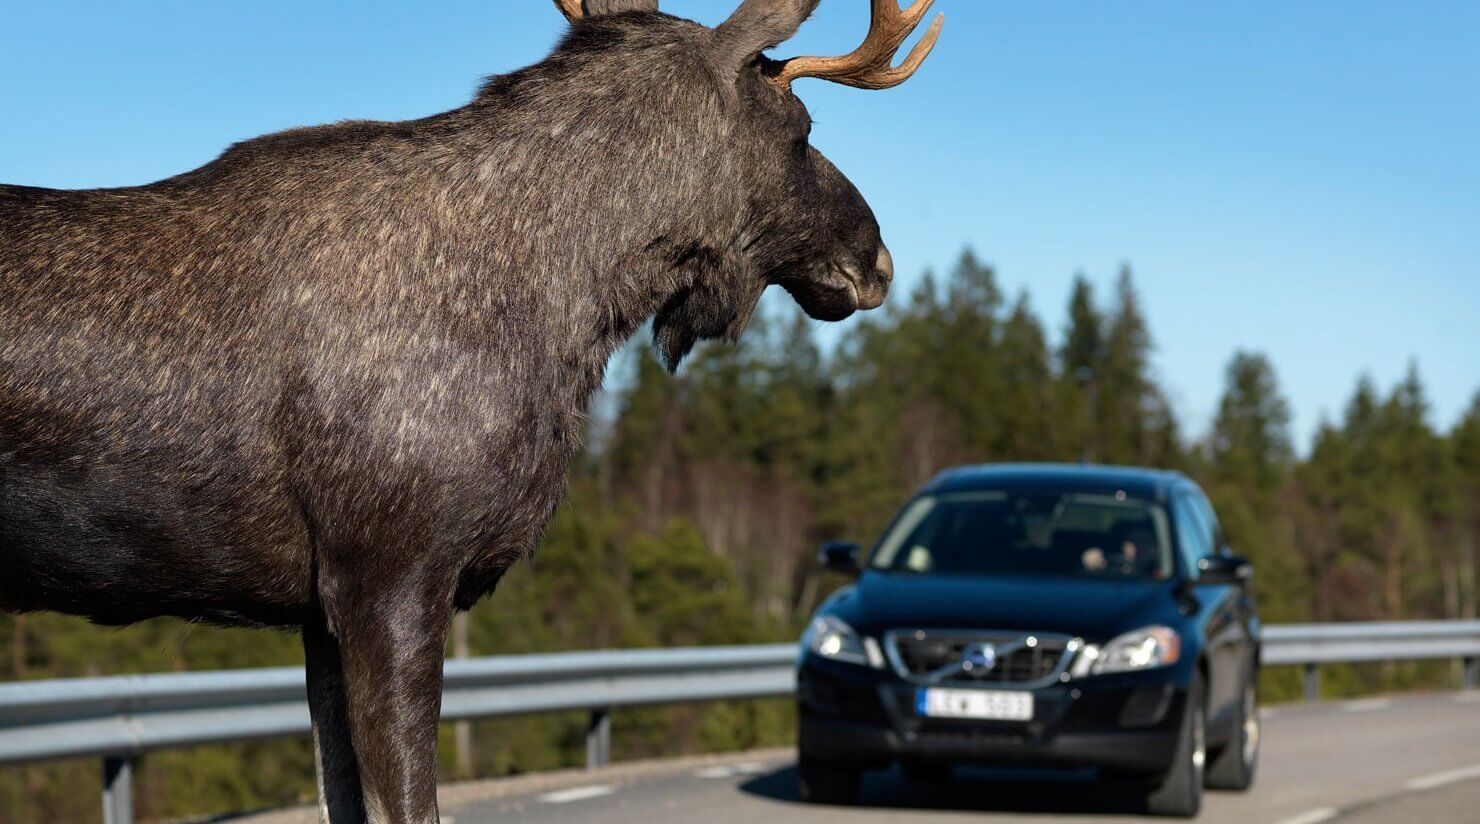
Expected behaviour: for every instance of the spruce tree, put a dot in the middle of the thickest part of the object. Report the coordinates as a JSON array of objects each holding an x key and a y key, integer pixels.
[
  {"x": 1251, "y": 443},
  {"x": 1126, "y": 403},
  {"x": 1250, "y": 454},
  {"x": 1025, "y": 405},
  {"x": 1080, "y": 360}
]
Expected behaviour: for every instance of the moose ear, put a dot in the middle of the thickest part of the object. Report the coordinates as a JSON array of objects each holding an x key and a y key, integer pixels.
[{"x": 759, "y": 25}]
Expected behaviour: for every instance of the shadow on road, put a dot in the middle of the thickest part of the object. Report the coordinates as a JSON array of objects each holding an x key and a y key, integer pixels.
[{"x": 975, "y": 790}]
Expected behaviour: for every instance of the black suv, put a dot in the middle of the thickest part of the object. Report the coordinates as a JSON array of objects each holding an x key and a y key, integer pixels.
[{"x": 1039, "y": 615}]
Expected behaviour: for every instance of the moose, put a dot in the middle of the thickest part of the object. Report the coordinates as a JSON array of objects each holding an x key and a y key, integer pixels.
[{"x": 332, "y": 380}]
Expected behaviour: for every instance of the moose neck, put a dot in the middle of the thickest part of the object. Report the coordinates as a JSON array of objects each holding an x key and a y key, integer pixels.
[{"x": 602, "y": 202}]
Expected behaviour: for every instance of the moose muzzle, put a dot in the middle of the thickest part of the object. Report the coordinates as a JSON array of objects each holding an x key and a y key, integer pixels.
[{"x": 871, "y": 288}]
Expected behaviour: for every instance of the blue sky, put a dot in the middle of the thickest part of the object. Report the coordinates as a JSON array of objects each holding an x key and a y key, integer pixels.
[{"x": 1301, "y": 179}]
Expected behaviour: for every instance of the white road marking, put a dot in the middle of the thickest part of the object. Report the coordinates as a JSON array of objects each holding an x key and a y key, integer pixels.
[
  {"x": 578, "y": 794},
  {"x": 731, "y": 770},
  {"x": 1429, "y": 782},
  {"x": 1315, "y": 816},
  {"x": 1367, "y": 705}
]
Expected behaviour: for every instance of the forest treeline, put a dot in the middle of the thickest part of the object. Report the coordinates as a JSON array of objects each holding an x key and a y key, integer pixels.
[{"x": 695, "y": 510}]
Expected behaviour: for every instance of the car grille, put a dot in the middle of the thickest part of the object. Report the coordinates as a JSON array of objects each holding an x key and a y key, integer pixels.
[
  {"x": 935, "y": 657},
  {"x": 969, "y": 734}
]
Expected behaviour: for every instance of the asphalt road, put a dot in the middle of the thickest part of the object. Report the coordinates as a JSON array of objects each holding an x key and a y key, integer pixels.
[{"x": 1382, "y": 760}]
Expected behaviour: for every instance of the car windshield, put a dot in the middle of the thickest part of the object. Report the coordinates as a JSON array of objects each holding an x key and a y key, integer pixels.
[{"x": 1063, "y": 535}]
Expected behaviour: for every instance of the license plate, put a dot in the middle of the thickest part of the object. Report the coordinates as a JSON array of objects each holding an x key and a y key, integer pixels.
[{"x": 986, "y": 705}]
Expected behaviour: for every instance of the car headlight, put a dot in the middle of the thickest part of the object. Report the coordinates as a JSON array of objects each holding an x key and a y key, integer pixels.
[
  {"x": 1142, "y": 649},
  {"x": 831, "y": 638}
]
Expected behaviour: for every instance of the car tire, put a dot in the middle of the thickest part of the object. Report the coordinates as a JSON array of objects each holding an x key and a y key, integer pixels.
[
  {"x": 825, "y": 782},
  {"x": 1179, "y": 792},
  {"x": 1234, "y": 767},
  {"x": 925, "y": 772}
]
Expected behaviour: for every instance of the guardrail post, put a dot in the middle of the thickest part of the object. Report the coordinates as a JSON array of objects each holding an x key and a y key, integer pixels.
[
  {"x": 118, "y": 790},
  {"x": 1312, "y": 682},
  {"x": 599, "y": 739},
  {"x": 462, "y": 731},
  {"x": 1472, "y": 673}
]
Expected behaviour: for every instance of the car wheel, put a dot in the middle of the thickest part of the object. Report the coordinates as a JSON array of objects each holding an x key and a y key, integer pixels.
[
  {"x": 823, "y": 782},
  {"x": 926, "y": 772},
  {"x": 1179, "y": 792},
  {"x": 1234, "y": 767}
]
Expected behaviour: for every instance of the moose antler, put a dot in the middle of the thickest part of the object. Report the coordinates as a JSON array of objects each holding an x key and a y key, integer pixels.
[{"x": 870, "y": 66}]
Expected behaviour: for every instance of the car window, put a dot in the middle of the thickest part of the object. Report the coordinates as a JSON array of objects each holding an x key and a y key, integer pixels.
[
  {"x": 1194, "y": 535},
  {"x": 1210, "y": 518},
  {"x": 1029, "y": 533}
]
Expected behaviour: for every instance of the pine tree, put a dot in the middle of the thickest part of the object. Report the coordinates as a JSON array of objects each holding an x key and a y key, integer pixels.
[
  {"x": 1080, "y": 379},
  {"x": 642, "y": 449},
  {"x": 1466, "y": 451},
  {"x": 1251, "y": 442},
  {"x": 1250, "y": 454},
  {"x": 1026, "y": 404},
  {"x": 1126, "y": 400},
  {"x": 967, "y": 369},
  {"x": 1083, "y": 345}
]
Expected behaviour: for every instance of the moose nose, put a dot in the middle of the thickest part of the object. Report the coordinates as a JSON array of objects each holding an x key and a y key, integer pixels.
[
  {"x": 871, "y": 290},
  {"x": 884, "y": 266}
]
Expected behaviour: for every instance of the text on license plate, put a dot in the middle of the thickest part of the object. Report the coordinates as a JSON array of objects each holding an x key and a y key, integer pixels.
[{"x": 993, "y": 705}]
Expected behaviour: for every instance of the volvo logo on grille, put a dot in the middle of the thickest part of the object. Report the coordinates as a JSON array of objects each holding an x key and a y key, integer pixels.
[{"x": 979, "y": 658}]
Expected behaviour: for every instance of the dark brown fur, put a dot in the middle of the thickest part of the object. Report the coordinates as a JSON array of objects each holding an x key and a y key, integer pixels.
[{"x": 334, "y": 378}]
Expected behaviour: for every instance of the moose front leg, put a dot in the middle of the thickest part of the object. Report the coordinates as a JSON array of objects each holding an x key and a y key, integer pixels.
[
  {"x": 391, "y": 649},
  {"x": 340, "y": 799}
]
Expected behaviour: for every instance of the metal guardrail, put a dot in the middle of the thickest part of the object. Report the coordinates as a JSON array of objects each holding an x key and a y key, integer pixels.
[
  {"x": 1311, "y": 645},
  {"x": 121, "y": 717},
  {"x": 118, "y": 718},
  {"x": 130, "y": 714}
]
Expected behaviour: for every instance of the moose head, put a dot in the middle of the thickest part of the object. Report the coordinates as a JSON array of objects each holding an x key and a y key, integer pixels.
[{"x": 776, "y": 211}]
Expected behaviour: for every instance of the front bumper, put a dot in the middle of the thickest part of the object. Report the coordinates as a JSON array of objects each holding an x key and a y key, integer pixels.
[{"x": 866, "y": 716}]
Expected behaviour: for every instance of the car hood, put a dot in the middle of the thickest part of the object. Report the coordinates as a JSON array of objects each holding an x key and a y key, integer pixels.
[{"x": 1094, "y": 610}]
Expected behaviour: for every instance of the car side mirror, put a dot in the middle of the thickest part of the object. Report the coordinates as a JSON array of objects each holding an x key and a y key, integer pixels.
[
  {"x": 1224, "y": 569},
  {"x": 841, "y": 556}
]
